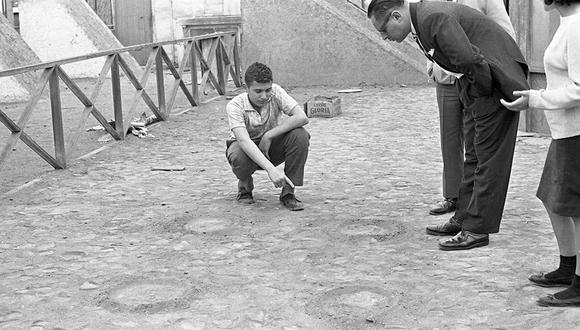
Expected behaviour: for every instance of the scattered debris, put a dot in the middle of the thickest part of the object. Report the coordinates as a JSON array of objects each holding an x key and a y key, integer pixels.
[
  {"x": 350, "y": 90},
  {"x": 105, "y": 138},
  {"x": 143, "y": 120},
  {"x": 96, "y": 128},
  {"x": 140, "y": 132},
  {"x": 168, "y": 168},
  {"x": 137, "y": 125}
]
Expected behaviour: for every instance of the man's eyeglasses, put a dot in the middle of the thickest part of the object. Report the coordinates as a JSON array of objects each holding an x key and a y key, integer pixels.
[{"x": 383, "y": 27}]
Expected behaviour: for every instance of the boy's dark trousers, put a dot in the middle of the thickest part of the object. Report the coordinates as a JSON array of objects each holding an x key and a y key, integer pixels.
[{"x": 290, "y": 149}]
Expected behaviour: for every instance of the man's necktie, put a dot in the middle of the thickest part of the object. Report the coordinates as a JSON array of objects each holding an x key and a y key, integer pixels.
[{"x": 422, "y": 48}]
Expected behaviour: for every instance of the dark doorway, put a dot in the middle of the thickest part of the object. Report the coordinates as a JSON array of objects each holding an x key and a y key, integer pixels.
[{"x": 134, "y": 25}]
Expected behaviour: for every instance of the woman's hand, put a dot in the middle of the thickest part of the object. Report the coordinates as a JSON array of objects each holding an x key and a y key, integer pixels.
[{"x": 522, "y": 103}]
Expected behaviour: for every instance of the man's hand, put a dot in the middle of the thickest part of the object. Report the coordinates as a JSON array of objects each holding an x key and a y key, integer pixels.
[
  {"x": 279, "y": 179},
  {"x": 522, "y": 103},
  {"x": 264, "y": 146}
]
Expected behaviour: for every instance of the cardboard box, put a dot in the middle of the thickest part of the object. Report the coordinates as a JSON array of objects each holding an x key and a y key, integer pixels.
[{"x": 323, "y": 106}]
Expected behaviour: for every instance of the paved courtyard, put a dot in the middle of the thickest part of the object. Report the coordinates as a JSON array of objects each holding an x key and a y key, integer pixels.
[{"x": 108, "y": 243}]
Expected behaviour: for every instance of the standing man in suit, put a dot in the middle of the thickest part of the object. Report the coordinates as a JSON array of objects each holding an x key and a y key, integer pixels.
[
  {"x": 451, "y": 111},
  {"x": 489, "y": 66}
]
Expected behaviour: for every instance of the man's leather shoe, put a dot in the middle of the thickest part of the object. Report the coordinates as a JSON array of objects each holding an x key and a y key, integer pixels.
[
  {"x": 542, "y": 280},
  {"x": 445, "y": 206},
  {"x": 450, "y": 228},
  {"x": 464, "y": 240},
  {"x": 291, "y": 202},
  {"x": 551, "y": 301}
]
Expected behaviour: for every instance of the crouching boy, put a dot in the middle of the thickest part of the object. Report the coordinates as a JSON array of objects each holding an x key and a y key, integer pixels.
[{"x": 260, "y": 139}]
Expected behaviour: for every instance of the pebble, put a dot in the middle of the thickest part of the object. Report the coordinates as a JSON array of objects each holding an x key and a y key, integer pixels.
[
  {"x": 89, "y": 286},
  {"x": 181, "y": 246}
]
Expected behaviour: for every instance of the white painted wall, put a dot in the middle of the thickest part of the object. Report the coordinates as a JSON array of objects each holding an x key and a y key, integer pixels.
[
  {"x": 14, "y": 52},
  {"x": 58, "y": 29},
  {"x": 216, "y": 7},
  {"x": 53, "y": 33},
  {"x": 168, "y": 13},
  {"x": 12, "y": 90}
]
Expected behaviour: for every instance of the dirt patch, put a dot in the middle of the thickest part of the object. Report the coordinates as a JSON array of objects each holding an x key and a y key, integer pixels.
[
  {"x": 147, "y": 296},
  {"x": 354, "y": 307},
  {"x": 379, "y": 229},
  {"x": 193, "y": 224}
]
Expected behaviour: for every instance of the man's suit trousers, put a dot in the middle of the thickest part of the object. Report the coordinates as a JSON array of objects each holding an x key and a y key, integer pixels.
[
  {"x": 451, "y": 129},
  {"x": 490, "y": 138}
]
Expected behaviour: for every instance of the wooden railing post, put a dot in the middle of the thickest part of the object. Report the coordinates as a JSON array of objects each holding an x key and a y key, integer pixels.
[
  {"x": 220, "y": 65},
  {"x": 117, "y": 97},
  {"x": 160, "y": 83},
  {"x": 237, "y": 64},
  {"x": 56, "y": 110},
  {"x": 193, "y": 65}
]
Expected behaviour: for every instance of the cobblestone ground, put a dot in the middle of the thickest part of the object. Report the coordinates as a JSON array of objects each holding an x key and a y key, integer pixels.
[{"x": 110, "y": 244}]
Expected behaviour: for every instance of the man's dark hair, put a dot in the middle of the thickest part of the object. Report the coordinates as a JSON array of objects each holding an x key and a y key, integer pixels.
[
  {"x": 259, "y": 73},
  {"x": 383, "y": 6},
  {"x": 561, "y": 2}
]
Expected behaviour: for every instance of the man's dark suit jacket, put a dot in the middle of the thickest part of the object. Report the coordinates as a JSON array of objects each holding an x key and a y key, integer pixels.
[{"x": 468, "y": 42}]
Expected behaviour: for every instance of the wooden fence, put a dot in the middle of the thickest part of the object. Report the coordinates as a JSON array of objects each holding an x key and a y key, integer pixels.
[{"x": 218, "y": 60}]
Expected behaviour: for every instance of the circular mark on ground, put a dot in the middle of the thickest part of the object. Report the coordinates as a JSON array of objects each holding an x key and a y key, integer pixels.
[
  {"x": 378, "y": 229},
  {"x": 354, "y": 306},
  {"x": 148, "y": 296},
  {"x": 197, "y": 225},
  {"x": 206, "y": 225}
]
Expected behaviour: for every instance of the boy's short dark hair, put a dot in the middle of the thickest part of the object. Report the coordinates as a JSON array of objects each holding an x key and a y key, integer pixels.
[
  {"x": 259, "y": 73},
  {"x": 383, "y": 6},
  {"x": 561, "y": 2}
]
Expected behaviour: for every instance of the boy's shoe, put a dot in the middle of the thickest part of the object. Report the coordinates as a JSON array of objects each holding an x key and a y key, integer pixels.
[
  {"x": 245, "y": 198},
  {"x": 291, "y": 203}
]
